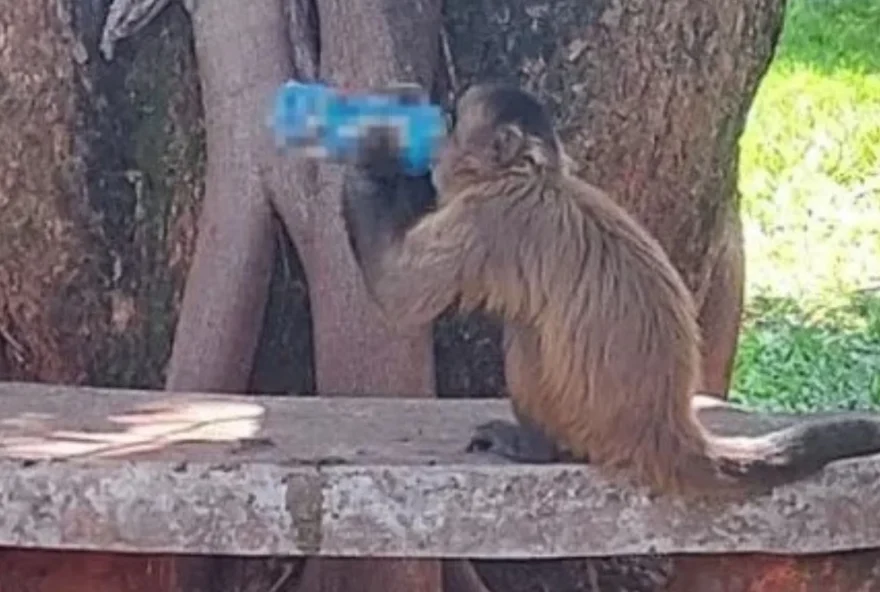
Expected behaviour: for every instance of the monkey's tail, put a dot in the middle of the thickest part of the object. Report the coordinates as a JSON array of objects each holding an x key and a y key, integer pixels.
[{"x": 786, "y": 455}]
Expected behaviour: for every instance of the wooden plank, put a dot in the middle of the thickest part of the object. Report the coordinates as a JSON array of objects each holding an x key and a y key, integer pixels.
[
  {"x": 207, "y": 474},
  {"x": 857, "y": 571},
  {"x": 51, "y": 571}
]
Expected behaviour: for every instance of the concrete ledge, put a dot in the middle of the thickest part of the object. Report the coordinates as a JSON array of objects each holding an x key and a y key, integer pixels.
[{"x": 201, "y": 474}]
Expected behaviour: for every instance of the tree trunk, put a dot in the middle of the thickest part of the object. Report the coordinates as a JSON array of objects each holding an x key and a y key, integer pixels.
[
  {"x": 364, "y": 44},
  {"x": 90, "y": 287},
  {"x": 650, "y": 99},
  {"x": 100, "y": 178}
]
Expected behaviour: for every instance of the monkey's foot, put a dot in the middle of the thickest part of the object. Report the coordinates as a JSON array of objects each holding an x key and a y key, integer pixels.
[{"x": 515, "y": 442}]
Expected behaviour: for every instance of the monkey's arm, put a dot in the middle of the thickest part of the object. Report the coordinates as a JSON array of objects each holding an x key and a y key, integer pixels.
[{"x": 410, "y": 256}]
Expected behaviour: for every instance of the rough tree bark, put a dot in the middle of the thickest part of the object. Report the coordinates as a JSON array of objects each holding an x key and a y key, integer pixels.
[
  {"x": 650, "y": 98},
  {"x": 100, "y": 177}
]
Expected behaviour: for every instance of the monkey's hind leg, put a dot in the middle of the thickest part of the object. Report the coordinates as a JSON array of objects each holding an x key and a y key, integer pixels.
[{"x": 520, "y": 441}]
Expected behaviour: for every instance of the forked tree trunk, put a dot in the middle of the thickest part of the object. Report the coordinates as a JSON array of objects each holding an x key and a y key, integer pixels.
[
  {"x": 102, "y": 169},
  {"x": 243, "y": 56}
]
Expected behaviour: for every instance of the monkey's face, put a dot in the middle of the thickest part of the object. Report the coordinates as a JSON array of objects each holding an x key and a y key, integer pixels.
[
  {"x": 499, "y": 130},
  {"x": 461, "y": 161},
  {"x": 464, "y": 157}
]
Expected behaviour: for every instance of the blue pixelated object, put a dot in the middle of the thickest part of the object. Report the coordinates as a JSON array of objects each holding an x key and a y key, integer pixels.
[{"x": 322, "y": 122}]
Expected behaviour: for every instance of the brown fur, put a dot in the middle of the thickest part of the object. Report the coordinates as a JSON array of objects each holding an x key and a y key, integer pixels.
[{"x": 602, "y": 342}]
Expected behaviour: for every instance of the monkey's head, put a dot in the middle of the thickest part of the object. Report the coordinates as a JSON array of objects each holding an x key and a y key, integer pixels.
[{"x": 499, "y": 130}]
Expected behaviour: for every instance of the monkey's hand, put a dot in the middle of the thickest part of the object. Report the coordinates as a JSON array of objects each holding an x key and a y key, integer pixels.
[
  {"x": 380, "y": 154},
  {"x": 379, "y": 206},
  {"x": 409, "y": 255},
  {"x": 517, "y": 442}
]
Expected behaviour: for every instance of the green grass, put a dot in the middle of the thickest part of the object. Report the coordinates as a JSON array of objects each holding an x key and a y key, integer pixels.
[
  {"x": 800, "y": 359},
  {"x": 810, "y": 183}
]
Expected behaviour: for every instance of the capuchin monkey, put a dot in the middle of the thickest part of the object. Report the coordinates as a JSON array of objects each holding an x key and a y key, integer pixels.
[{"x": 601, "y": 340}]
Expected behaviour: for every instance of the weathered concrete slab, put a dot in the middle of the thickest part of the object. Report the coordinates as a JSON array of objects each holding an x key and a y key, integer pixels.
[{"x": 148, "y": 472}]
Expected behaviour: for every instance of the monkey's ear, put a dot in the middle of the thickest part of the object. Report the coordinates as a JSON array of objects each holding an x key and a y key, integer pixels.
[{"x": 508, "y": 144}]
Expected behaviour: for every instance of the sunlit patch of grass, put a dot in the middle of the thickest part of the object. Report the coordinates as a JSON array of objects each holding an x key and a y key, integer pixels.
[{"x": 810, "y": 184}]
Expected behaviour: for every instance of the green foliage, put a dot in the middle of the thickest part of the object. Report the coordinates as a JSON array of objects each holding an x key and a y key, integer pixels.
[
  {"x": 798, "y": 359},
  {"x": 810, "y": 183}
]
